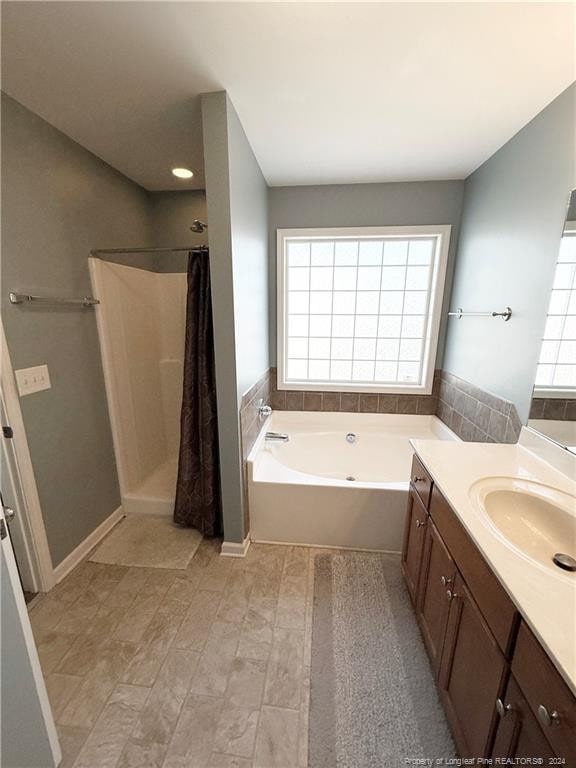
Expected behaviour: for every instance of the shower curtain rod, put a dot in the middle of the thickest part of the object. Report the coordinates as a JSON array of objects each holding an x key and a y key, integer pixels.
[{"x": 97, "y": 251}]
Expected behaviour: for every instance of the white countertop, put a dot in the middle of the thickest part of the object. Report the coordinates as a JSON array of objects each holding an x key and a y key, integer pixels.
[{"x": 546, "y": 599}]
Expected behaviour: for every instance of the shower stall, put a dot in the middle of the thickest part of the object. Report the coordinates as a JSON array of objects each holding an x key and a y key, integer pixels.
[{"x": 141, "y": 327}]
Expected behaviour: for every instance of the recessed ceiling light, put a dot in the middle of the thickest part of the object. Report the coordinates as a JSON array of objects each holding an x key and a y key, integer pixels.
[{"x": 182, "y": 173}]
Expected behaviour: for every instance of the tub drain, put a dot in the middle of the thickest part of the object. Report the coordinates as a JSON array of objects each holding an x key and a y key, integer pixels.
[
  {"x": 351, "y": 478},
  {"x": 565, "y": 562}
]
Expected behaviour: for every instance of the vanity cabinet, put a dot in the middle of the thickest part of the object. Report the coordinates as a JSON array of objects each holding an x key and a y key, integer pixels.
[
  {"x": 471, "y": 674},
  {"x": 437, "y": 578},
  {"x": 414, "y": 530},
  {"x": 502, "y": 695}
]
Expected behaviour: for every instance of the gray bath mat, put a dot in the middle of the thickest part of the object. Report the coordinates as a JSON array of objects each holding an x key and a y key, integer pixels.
[
  {"x": 373, "y": 703},
  {"x": 148, "y": 541}
]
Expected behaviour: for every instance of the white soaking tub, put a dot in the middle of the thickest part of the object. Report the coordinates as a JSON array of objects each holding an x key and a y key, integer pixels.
[{"x": 323, "y": 489}]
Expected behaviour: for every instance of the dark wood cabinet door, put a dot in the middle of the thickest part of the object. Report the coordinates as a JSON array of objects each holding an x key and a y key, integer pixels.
[
  {"x": 518, "y": 733},
  {"x": 415, "y": 526},
  {"x": 471, "y": 674},
  {"x": 437, "y": 575}
]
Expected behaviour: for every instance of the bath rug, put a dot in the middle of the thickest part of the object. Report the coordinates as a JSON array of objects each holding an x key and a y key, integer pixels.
[
  {"x": 373, "y": 701},
  {"x": 149, "y": 541}
]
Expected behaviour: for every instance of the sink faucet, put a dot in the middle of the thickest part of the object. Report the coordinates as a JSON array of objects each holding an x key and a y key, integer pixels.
[{"x": 280, "y": 437}]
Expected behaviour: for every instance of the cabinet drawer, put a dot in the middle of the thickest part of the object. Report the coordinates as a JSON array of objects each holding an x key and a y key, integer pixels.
[
  {"x": 495, "y": 605},
  {"x": 421, "y": 481},
  {"x": 543, "y": 687}
]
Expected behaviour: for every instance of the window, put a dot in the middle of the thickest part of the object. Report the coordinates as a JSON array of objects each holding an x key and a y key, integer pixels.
[
  {"x": 359, "y": 309},
  {"x": 556, "y": 373}
]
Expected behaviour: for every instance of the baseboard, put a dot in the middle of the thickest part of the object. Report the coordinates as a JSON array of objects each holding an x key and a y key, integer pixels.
[
  {"x": 327, "y": 546},
  {"x": 72, "y": 560},
  {"x": 232, "y": 549}
]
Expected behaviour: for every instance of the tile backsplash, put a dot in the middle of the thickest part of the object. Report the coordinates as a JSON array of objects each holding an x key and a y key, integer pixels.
[
  {"x": 352, "y": 402},
  {"x": 557, "y": 409},
  {"x": 472, "y": 413}
]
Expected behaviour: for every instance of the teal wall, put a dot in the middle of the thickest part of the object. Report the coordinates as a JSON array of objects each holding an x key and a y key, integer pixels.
[
  {"x": 365, "y": 205},
  {"x": 58, "y": 202},
  {"x": 236, "y": 195},
  {"x": 513, "y": 214}
]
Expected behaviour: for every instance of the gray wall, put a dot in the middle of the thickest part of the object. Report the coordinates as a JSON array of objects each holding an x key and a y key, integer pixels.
[
  {"x": 172, "y": 214},
  {"x": 249, "y": 220},
  {"x": 514, "y": 208},
  {"x": 364, "y": 205},
  {"x": 236, "y": 197},
  {"x": 58, "y": 202}
]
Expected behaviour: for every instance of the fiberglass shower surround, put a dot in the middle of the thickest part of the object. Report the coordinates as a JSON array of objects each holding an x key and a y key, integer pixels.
[{"x": 141, "y": 325}]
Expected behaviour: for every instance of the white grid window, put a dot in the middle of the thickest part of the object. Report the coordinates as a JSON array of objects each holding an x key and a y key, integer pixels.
[
  {"x": 359, "y": 309},
  {"x": 556, "y": 371}
]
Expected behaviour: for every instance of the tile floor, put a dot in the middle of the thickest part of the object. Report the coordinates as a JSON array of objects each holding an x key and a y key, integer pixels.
[{"x": 196, "y": 668}]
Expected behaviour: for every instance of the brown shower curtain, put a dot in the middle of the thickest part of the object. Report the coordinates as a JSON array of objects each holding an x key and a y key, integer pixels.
[{"x": 198, "y": 503}]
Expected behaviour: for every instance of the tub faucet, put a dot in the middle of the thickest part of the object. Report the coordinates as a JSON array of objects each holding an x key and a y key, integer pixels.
[
  {"x": 280, "y": 437},
  {"x": 263, "y": 410}
]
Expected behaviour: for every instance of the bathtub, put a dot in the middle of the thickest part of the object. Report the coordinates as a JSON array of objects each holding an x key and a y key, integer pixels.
[{"x": 322, "y": 489}]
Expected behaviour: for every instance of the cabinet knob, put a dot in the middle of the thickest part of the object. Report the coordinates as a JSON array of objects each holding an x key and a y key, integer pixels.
[
  {"x": 445, "y": 581},
  {"x": 451, "y": 595},
  {"x": 502, "y": 708},
  {"x": 417, "y": 479},
  {"x": 548, "y": 718},
  {"x": 420, "y": 523}
]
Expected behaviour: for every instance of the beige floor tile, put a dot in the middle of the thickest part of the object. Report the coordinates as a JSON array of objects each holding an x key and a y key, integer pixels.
[
  {"x": 159, "y": 581},
  {"x": 133, "y": 625},
  {"x": 60, "y": 689},
  {"x": 216, "y": 661},
  {"x": 236, "y": 731},
  {"x": 291, "y": 612},
  {"x": 89, "y": 699},
  {"x": 198, "y": 652},
  {"x": 71, "y": 742},
  {"x": 193, "y": 738},
  {"x": 257, "y": 629},
  {"x": 78, "y": 618},
  {"x": 156, "y": 641},
  {"x": 183, "y": 589},
  {"x": 215, "y": 575},
  {"x": 133, "y": 696},
  {"x": 111, "y": 731},
  {"x": 228, "y": 761},
  {"x": 233, "y": 607},
  {"x": 158, "y": 718},
  {"x": 246, "y": 682},
  {"x": 294, "y": 586},
  {"x": 47, "y": 613},
  {"x": 277, "y": 739},
  {"x": 140, "y": 753},
  {"x": 296, "y": 561},
  {"x": 131, "y": 584},
  {"x": 195, "y": 628},
  {"x": 90, "y": 650},
  {"x": 285, "y": 669},
  {"x": 267, "y": 584},
  {"x": 52, "y": 648},
  {"x": 303, "y": 722}
]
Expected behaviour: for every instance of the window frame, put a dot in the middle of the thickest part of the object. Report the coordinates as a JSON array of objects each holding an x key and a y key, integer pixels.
[
  {"x": 552, "y": 392},
  {"x": 440, "y": 233}
]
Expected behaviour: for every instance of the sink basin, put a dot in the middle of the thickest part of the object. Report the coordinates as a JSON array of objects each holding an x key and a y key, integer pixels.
[{"x": 536, "y": 520}]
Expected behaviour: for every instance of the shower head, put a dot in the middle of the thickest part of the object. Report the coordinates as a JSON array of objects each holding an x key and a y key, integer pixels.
[{"x": 198, "y": 226}]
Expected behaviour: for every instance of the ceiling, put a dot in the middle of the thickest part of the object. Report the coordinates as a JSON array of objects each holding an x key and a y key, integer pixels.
[{"x": 327, "y": 92}]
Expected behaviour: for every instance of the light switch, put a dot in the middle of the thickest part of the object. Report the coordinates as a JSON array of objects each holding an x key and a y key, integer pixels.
[{"x": 32, "y": 379}]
